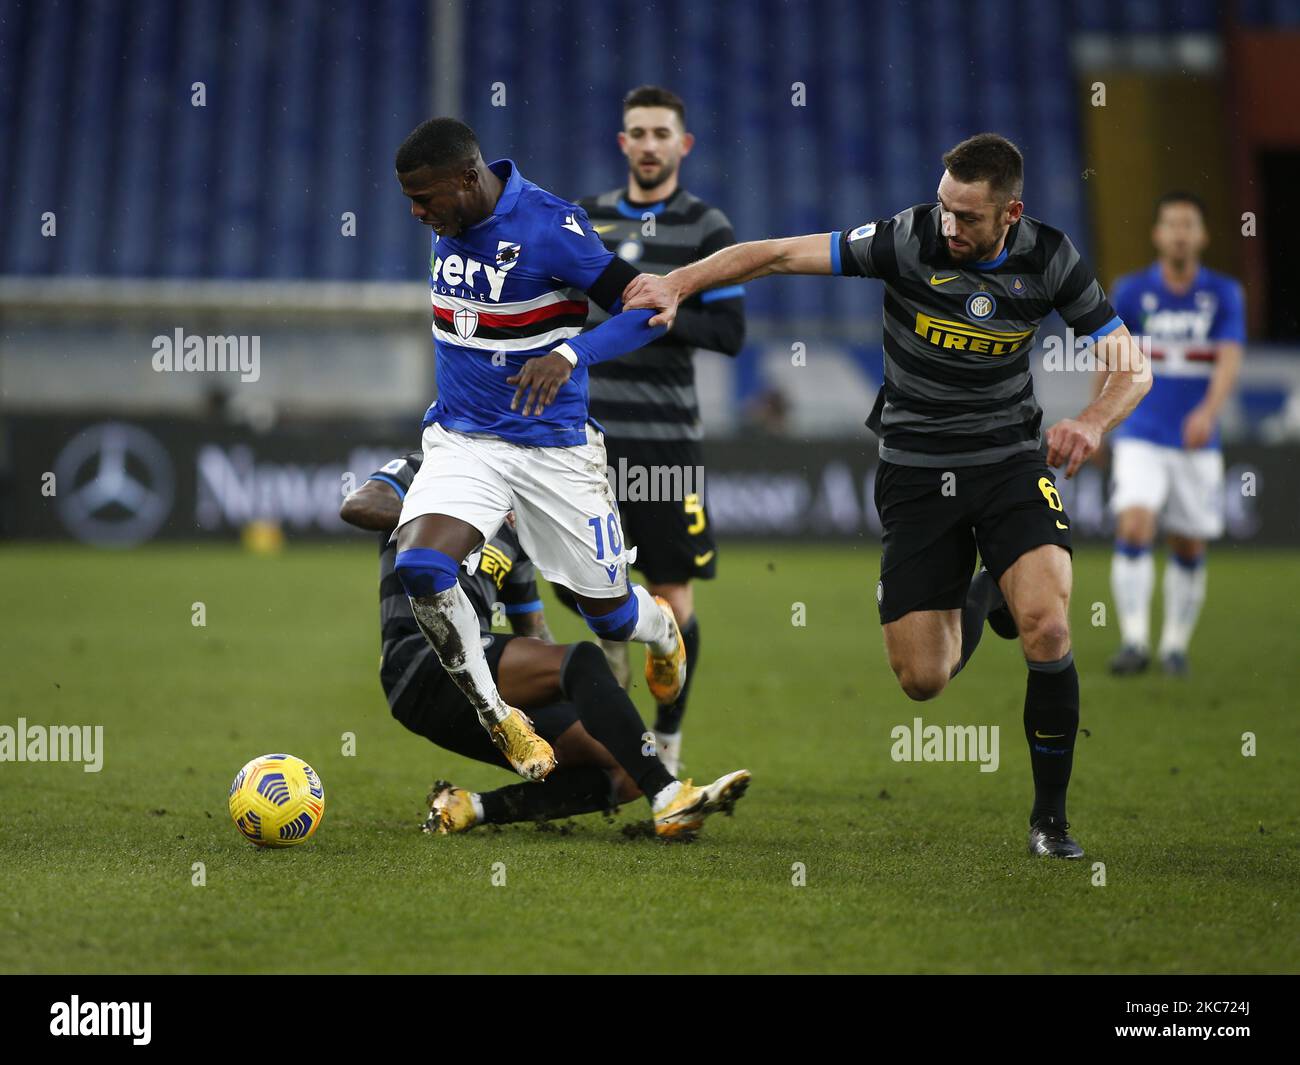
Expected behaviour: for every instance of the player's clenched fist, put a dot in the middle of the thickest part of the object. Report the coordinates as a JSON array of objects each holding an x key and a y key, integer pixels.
[
  {"x": 539, "y": 381},
  {"x": 1070, "y": 443},
  {"x": 649, "y": 292}
]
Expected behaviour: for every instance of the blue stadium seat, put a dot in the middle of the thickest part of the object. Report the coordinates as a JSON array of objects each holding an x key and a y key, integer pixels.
[{"x": 306, "y": 102}]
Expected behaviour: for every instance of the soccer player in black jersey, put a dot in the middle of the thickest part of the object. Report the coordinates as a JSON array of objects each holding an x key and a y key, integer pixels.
[
  {"x": 964, "y": 465},
  {"x": 646, "y": 401},
  {"x": 575, "y": 702}
]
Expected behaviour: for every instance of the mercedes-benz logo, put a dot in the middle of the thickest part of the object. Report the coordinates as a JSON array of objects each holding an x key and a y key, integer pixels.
[{"x": 115, "y": 485}]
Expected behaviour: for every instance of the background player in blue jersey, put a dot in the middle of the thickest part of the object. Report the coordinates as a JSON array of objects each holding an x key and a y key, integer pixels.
[
  {"x": 1167, "y": 468},
  {"x": 510, "y": 272}
]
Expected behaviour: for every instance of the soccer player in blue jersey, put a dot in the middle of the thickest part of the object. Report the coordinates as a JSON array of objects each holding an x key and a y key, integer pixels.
[
  {"x": 1167, "y": 469},
  {"x": 569, "y": 692},
  {"x": 510, "y": 274}
]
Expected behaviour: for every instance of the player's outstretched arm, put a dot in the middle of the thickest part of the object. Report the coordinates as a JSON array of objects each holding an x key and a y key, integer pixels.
[
  {"x": 735, "y": 265},
  {"x": 540, "y": 379},
  {"x": 1072, "y": 441}
]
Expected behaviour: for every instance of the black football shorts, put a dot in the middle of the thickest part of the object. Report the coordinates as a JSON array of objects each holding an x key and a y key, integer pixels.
[
  {"x": 935, "y": 521},
  {"x": 674, "y": 542}
]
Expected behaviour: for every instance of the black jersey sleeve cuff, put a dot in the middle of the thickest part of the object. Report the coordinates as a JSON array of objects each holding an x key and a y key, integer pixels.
[{"x": 608, "y": 288}]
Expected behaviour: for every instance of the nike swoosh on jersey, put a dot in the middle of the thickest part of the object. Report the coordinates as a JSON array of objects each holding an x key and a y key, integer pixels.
[
  {"x": 1049, "y": 735},
  {"x": 935, "y": 279},
  {"x": 1060, "y": 526},
  {"x": 703, "y": 560}
]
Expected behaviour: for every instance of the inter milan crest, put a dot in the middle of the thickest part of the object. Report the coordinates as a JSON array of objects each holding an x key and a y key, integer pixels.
[
  {"x": 980, "y": 305},
  {"x": 466, "y": 322}
]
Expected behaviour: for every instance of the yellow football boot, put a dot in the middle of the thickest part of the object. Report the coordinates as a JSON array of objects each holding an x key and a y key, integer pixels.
[
  {"x": 529, "y": 754},
  {"x": 450, "y": 810},
  {"x": 682, "y": 816},
  {"x": 666, "y": 674}
]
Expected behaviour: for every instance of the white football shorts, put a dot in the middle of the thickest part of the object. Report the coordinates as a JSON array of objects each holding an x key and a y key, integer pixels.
[
  {"x": 566, "y": 515},
  {"x": 1184, "y": 488}
]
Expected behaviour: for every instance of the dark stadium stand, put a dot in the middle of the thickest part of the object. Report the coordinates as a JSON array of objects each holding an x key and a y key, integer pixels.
[{"x": 142, "y": 187}]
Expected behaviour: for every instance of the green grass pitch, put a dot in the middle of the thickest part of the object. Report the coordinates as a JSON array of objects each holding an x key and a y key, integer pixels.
[{"x": 908, "y": 866}]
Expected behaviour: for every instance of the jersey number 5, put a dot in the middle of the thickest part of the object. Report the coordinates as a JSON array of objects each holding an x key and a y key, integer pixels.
[{"x": 695, "y": 509}]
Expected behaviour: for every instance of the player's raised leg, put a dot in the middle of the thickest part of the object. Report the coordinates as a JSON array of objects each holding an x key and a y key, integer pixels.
[
  {"x": 927, "y": 558},
  {"x": 1037, "y": 590},
  {"x": 984, "y": 603},
  {"x": 924, "y": 647},
  {"x": 568, "y": 522},
  {"x": 615, "y": 650},
  {"x": 430, "y": 551},
  {"x": 455, "y": 503},
  {"x": 643, "y": 618}
]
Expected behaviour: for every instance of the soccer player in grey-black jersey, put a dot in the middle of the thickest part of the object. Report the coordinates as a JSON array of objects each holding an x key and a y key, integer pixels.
[
  {"x": 963, "y": 463},
  {"x": 646, "y": 401},
  {"x": 936, "y": 408}
]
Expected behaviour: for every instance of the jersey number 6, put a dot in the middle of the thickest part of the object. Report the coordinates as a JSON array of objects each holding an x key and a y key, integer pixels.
[{"x": 1050, "y": 493}]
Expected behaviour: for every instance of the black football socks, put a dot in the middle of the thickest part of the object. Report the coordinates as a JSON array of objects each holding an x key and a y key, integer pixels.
[
  {"x": 608, "y": 713},
  {"x": 669, "y": 718},
  {"x": 1051, "y": 723},
  {"x": 565, "y": 793}
]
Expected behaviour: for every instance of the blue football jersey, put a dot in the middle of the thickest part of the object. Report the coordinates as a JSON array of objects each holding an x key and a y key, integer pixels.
[
  {"x": 1185, "y": 331},
  {"x": 506, "y": 290}
]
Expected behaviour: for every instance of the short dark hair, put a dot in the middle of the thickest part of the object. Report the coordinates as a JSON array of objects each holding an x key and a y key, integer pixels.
[
  {"x": 1180, "y": 196},
  {"x": 438, "y": 143},
  {"x": 655, "y": 96},
  {"x": 988, "y": 157}
]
